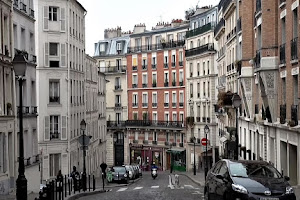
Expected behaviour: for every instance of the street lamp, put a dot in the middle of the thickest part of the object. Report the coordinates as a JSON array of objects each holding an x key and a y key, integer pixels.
[
  {"x": 83, "y": 127},
  {"x": 236, "y": 102},
  {"x": 20, "y": 65},
  {"x": 206, "y": 131},
  {"x": 194, "y": 139}
]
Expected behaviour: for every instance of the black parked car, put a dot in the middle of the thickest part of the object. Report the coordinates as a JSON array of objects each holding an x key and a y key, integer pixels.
[
  {"x": 246, "y": 180},
  {"x": 120, "y": 174}
]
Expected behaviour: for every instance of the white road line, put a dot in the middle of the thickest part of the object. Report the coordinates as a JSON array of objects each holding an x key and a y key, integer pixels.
[
  {"x": 122, "y": 189},
  {"x": 137, "y": 188},
  {"x": 188, "y": 186},
  {"x": 155, "y": 186}
]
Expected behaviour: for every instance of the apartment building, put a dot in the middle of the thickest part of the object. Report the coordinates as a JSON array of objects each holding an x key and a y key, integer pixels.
[
  {"x": 156, "y": 95},
  {"x": 96, "y": 124},
  {"x": 24, "y": 43},
  {"x": 228, "y": 37},
  {"x": 61, "y": 79},
  {"x": 201, "y": 81},
  {"x": 8, "y": 132},
  {"x": 110, "y": 54}
]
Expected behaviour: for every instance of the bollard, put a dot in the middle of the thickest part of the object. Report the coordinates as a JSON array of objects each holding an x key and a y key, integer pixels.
[
  {"x": 89, "y": 182},
  {"x": 94, "y": 183},
  {"x": 176, "y": 180}
]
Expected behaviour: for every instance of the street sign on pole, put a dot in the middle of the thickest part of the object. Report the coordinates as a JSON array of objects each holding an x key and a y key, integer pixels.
[
  {"x": 85, "y": 148},
  {"x": 204, "y": 141},
  {"x": 86, "y": 140}
]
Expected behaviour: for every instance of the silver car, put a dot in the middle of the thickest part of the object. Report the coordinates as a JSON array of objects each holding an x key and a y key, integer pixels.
[{"x": 130, "y": 171}]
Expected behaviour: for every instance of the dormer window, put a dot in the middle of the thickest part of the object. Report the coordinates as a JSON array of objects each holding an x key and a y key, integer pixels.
[
  {"x": 53, "y": 13},
  {"x": 119, "y": 47},
  {"x": 102, "y": 47}
]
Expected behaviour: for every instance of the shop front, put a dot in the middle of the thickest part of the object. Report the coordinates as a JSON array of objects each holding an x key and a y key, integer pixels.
[
  {"x": 176, "y": 159},
  {"x": 145, "y": 156}
]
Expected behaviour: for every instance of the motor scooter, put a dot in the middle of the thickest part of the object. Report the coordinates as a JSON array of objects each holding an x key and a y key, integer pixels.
[{"x": 154, "y": 173}]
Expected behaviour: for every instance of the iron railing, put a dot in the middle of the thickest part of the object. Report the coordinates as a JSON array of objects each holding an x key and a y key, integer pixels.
[
  {"x": 118, "y": 87},
  {"x": 294, "y": 49},
  {"x": 154, "y": 104},
  {"x": 31, "y": 12},
  {"x": 155, "y": 123},
  {"x": 294, "y": 114},
  {"x": 166, "y": 65},
  {"x": 282, "y": 114},
  {"x": 54, "y": 135},
  {"x": 23, "y": 7},
  {"x": 220, "y": 26},
  {"x": 112, "y": 69},
  {"x": 231, "y": 34},
  {"x": 28, "y": 110},
  {"x": 16, "y": 3},
  {"x": 199, "y": 50},
  {"x": 282, "y": 54},
  {"x": 199, "y": 30},
  {"x": 180, "y": 104},
  {"x": 166, "y": 45},
  {"x": 180, "y": 63},
  {"x": 118, "y": 105},
  {"x": 134, "y": 68},
  {"x": 113, "y": 124}
]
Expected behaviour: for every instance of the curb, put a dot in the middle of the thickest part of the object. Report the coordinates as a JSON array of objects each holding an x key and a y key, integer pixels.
[
  {"x": 97, "y": 191},
  {"x": 196, "y": 182}
]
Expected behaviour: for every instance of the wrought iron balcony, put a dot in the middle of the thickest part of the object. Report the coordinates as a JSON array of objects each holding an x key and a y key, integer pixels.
[
  {"x": 154, "y": 142},
  {"x": 166, "y": 45},
  {"x": 114, "y": 124},
  {"x": 134, "y": 68},
  {"x": 54, "y": 135},
  {"x": 166, "y": 104},
  {"x": 197, "y": 119},
  {"x": 134, "y": 85},
  {"x": 174, "y": 104},
  {"x": 199, "y": 30},
  {"x": 166, "y": 65},
  {"x": 199, "y": 50},
  {"x": 145, "y": 104},
  {"x": 28, "y": 110},
  {"x": 153, "y": 66},
  {"x": 294, "y": 114},
  {"x": 16, "y": 3},
  {"x": 282, "y": 54},
  {"x": 23, "y": 7},
  {"x": 144, "y": 67},
  {"x": 135, "y": 104},
  {"x": 118, "y": 87},
  {"x": 180, "y": 63},
  {"x": 145, "y": 85},
  {"x": 31, "y": 13},
  {"x": 113, "y": 69},
  {"x": 173, "y": 83},
  {"x": 294, "y": 49},
  {"x": 180, "y": 104},
  {"x": 180, "y": 83},
  {"x": 118, "y": 105},
  {"x": 282, "y": 114},
  {"x": 155, "y": 123},
  {"x": 166, "y": 84},
  {"x": 220, "y": 26},
  {"x": 154, "y": 104}
]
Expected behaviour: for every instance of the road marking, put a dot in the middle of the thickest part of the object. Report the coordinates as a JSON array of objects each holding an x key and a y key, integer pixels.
[
  {"x": 155, "y": 186},
  {"x": 137, "y": 188},
  {"x": 122, "y": 189},
  {"x": 188, "y": 186},
  {"x": 197, "y": 192}
]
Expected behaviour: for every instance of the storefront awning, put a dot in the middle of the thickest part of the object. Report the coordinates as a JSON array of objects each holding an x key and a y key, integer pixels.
[{"x": 175, "y": 150}]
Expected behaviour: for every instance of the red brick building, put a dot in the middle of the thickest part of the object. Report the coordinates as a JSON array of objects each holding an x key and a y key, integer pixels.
[{"x": 156, "y": 94}]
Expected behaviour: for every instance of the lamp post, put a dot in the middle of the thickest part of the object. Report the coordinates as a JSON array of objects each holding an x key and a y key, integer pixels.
[
  {"x": 83, "y": 127},
  {"x": 194, "y": 139},
  {"x": 115, "y": 141},
  {"x": 236, "y": 102},
  {"x": 206, "y": 131},
  {"x": 20, "y": 65}
]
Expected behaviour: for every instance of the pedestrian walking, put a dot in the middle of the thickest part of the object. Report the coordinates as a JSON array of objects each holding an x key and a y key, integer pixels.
[
  {"x": 103, "y": 167},
  {"x": 75, "y": 177}
]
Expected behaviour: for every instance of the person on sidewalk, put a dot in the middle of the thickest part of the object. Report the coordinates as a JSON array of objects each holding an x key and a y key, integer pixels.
[
  {"x": 75, "y": 177},
  {"x": 59, "y": 180},
  {"x": 103, "y": 167}
]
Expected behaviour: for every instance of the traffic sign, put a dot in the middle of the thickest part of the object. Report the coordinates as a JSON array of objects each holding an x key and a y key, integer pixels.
[
  {"x": 204, "y": 141},
  {"x": 84, "y": 140}
]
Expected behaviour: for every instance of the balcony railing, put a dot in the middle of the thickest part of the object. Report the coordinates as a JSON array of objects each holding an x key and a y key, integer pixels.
[
  {"x": 28, "y": 110},
  {"x": 118, "y": 87},
  {"x": 144, "y": 67},
  {"x": 294, "y": 49},
  {"x": 180, "y": 83},
  {"x": 145, "y": 48},
  {"x": 154, "y": 104},
  {"x": 294, "y": 114},
  {"x": 220, "y": 26},
  {"x": 154, "y": 142},
  {"x": 16, "y": 3},
  {"x": 199, "y": 30},
  {"x": 31, "y": 13},
  {"x": 203, "y": 119},
  {"x": 23, "y": 7},
  {"x": 282, "y": 114},
  {"x": 153, "y": 66},
  {"x": 134, "y": 85},
  {"x": 180, "y": 63},
  {"x": 197, "y": 119},
  {"x": 145, "y": 104},
  {"x": 145, "y": 85},
  {"x": 173, "y": 64},
  {"x": 153, "y": 84},
  {"x": 180, "y": 104},
  {"x": 112, "y": 124},
  {"x": 200, "y": 50},
  {"x": 173, "y": 83},
  {"x": 135, "y": 104},
  {"x": 113, "y": 69},
  {"x": 166, "y": 84},
  {"x": 155, "y": 123},
  {"x": 54, "y": 135},
  {"x": 174, "y": 104},
  {"x": 166, "y": 104},
  {"x": 282, "y": 54},
  {"x": 118, "y": 105},
  {"x": 166, "y": 65},
  {"x": 231, "y": 34}
]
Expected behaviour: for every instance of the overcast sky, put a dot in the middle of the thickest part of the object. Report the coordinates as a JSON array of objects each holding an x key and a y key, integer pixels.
[{"x": 102, "y": 14}]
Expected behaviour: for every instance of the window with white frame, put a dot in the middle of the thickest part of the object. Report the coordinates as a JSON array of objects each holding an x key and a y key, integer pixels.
[
  {"x": 153, "y": 60},
  {"x": 145, "y": 79},
  {"x": 154, "y": 116},
  {"x": 54, "y": 127},
  {"x": 136, "y": 135},
  {"x": 167, "y": 116},
  {"x": 134, "y": 79},
  {"x": 180, "y": 76},
  {"x": 181, "y": 117},
  {"x": 135, "y": 116},
  {"x": 53, "y": 49},
  {"x": 166, "y": 60},
  {"x": 166, "y": 77},
  {"x": 135, "y": 100},
  {"x": 180, "y": 56},
  {"x": 53, "y": 13},
  {"x": 102, "y": 47},
  {"x": 119, "y": 46},
  {"x": 166, "y": 97},
  {"x": 154, "y": 79},
  {"x": 54, "y": 92},
  {"x": 174, "y": 98},
  {"x": 174, "y": 78},
  {"x": 154, "y": 99},
  {"x": 55, "y": 164},
  {"x": 145, "y": 100},
  {"x": 174, "y": 117},
  {"x": 181, "y": 97},
  {"x": 198, "y": 69}
]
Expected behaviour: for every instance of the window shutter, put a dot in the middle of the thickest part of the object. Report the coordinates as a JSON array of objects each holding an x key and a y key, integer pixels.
[
  {"x": 47, "y": 128},
  {"x": 63, "y": 55},
  {"x": 62, "y": 20},
  {"x": 64, "y": 163},
  {"x": 46, "y": 54},
  {"x": 46, "y": 18},
  {"x": 64, "y": 127},
  {"x": 46, "y": 167}
]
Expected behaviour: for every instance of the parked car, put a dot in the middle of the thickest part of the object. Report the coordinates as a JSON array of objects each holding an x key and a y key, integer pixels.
[
  {"x": 130, "y": 170},
  {"x": 136, "y": 171},
  {"x": 119, "y": 173},
  {"x": 255, "y": 180}
]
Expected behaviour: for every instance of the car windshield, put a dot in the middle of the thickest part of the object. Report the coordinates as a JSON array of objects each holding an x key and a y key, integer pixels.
[
  {"x": 253, "y": 170},
  {"x": 119, "y": 169},
  {"x": 127, "y": 168}
]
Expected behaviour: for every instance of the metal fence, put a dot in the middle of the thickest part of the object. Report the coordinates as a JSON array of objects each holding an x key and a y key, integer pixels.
[{"x": 59, "y": 189}]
